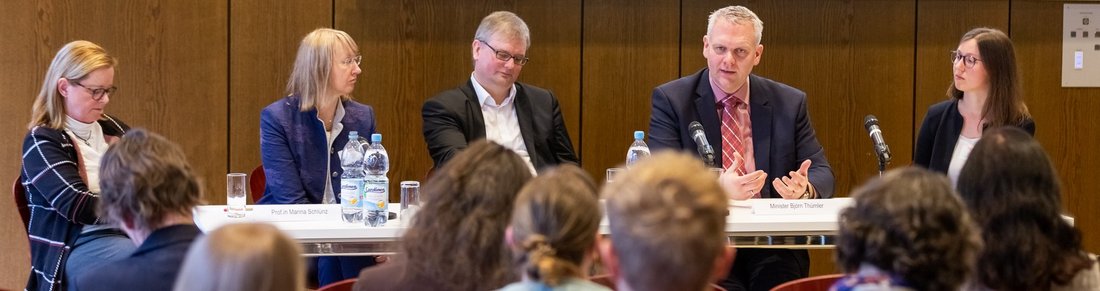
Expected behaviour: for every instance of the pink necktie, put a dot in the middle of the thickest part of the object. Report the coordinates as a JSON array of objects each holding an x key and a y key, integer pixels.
[{"x": 734, "y": 115}]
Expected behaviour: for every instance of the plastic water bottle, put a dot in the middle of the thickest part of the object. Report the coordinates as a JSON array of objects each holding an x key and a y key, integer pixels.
[
  {"x": 351, "y": 182},
  {"x": 638, "y": 150},
  {"x": 376, "y": 190}
]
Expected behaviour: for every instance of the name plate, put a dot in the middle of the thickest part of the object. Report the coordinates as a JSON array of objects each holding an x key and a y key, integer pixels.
[
  {"x": 293, "y": 212},
  {"x": 798, "y": 206}
]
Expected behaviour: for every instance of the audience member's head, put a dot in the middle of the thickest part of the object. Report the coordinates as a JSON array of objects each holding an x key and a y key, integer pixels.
[
  {"x": 554, "y": 225},
  {"x": 668, "y": 218},
  {"x": 326, "y": 66},
  {"x": 243, "y": 257},
  {"x": 147, "y": 184},
  {"x": 909, "y": 224},
  {"x": 79, "y": 77},
  {"x": 1013, "y": 192},
  {"x": 458, "y": 235}
]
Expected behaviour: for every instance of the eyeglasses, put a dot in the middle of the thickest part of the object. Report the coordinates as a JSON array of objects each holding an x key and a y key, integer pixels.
[
  {"x": 356, "y": 59},
  {"x": 968, "y": 60},
  {"x": 505, "y": 56},
  {"x": 98, "y": 93}
]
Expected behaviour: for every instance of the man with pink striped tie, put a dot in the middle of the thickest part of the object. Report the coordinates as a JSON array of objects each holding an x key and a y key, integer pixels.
[{"x": 760, "y": 130}]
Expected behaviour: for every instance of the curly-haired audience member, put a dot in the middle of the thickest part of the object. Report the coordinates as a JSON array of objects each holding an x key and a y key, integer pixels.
[
  {"x": 456, "y": 241},
  {"x": 554, "y": 230},
  {"x": 1028, "y": 246},
  {"x": 668, "y": 218},
  {"x": 906, "y": 231}
]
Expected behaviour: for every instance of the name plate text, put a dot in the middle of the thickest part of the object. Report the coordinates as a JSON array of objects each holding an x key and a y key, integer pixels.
[{"x": 798, "y": 206}]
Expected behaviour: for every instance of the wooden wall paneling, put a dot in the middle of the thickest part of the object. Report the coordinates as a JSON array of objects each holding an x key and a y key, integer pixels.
[
  {"x": 852, "y": 58},
  {"x": 940, "y": 25},
  {"x": 413, "y": 50},
  {"x": 264, "y": 38},
  {"x": 171, "y": 74},
  {"x": 630, "y": 47},
  {"x": 174, "y": 56},
  {"x": 25, "y": 62},
  {"x": 1065, "y": 118}
]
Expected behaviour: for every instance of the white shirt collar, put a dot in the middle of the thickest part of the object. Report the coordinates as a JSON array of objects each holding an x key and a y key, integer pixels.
[{"x": 484, "y": 98}]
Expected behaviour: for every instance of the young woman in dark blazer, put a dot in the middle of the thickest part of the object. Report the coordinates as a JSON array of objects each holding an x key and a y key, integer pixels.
[{"x": 984, "y": 93}]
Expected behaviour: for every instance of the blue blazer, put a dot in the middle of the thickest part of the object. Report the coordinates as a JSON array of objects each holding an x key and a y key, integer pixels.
[
  {"x": 294, "y": 150},
  {"x": 782, "y": 135},
  {"x": 153, "y": 266}
]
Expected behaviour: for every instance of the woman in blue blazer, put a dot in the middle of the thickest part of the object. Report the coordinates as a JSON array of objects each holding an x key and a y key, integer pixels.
[{"x": 301, "y": 134}]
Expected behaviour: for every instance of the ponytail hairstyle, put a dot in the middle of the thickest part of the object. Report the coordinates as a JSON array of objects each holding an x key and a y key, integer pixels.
[{"x": 555, "y": 221}]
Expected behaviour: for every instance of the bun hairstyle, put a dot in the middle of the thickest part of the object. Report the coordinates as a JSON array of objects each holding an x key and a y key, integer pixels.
[
  {"x": 554, "y": 223},
  {"x": 543, "y": 265}
]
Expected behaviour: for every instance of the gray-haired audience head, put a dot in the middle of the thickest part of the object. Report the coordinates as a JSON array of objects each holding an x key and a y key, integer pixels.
[{"x": 147, "y": 184}]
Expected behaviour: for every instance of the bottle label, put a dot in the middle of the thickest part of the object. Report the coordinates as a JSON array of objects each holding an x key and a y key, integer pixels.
[
  {"x": 351, "y": 193},
  {"x": 376, "y": 194}
]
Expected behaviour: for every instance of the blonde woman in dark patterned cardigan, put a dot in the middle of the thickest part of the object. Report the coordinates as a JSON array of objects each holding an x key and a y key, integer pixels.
[{"x": 68, "y": 133}]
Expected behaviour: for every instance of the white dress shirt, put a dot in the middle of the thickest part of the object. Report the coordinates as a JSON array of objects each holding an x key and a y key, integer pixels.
[
  {"x": 501, "y": 123},
  {"x": 963, "y": 147}
]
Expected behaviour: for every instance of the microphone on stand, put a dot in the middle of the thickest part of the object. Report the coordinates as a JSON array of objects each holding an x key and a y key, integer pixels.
[
  {"x": 705, "y": 150},
  {"x": 881, "y": 149}
]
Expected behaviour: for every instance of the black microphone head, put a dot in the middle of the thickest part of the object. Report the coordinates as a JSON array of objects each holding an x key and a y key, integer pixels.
[
  {"x": 869, "y": 121},
  {"x": 695, "y": 126}
]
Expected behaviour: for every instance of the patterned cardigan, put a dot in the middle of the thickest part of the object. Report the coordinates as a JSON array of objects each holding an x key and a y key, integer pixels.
[{"x": 58, "y": 197}]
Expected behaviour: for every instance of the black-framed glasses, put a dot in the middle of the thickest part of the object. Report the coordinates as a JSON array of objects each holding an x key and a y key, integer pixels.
[
  {"x": 356, "y": 59},
  {"x": 505, "y": 56},
  {"x": 98, "y": 93},
  {"x": 968, "y": 60}
]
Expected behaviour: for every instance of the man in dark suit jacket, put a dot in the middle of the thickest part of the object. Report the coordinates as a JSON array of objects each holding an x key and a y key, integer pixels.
[
  {"x": 783, "y": 144},
  {"x": 149, "y": 189},
  {"x": 492, "y": 105}
]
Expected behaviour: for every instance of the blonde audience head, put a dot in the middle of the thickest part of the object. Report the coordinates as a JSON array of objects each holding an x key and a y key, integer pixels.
[
  {"x": 323, "y": 54},
  {"x": 72, "y": 64},
  {"x": 554, "y": 225},
  {"x": 244, "y": 256},
  {"x": 668, "y": 217},
  {"x": 910, "y": 224}
]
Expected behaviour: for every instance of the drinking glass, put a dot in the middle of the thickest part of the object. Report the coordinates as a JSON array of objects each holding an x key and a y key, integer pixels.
[
  {"x": 410, "y": 200},
  {"x": 236, "y": 191},
  {"x": 612, "y": 173}
]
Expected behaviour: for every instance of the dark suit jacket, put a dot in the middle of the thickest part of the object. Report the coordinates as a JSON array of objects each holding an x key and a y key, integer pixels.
[
  {"x": 153, "y": 266},
  {"x": 782, "y": 135},
  {"x": 940, "y": 132},
  {"x": 294, "y": 150},
  {"x": 453, "y": 119}
]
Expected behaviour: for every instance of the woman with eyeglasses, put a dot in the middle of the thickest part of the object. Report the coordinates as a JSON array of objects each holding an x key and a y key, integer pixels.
[
  {"x": 302, "y": 133},
  {"x": 69, "y": 132},
  {"x": 985, "y": 93}
]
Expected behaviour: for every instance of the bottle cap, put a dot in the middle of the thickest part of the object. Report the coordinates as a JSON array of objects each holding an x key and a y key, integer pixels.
[
  {"x": 377, "y": 137},
  {"x": 639, "y": 134},
  {"x": 353, "y": 134}
]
